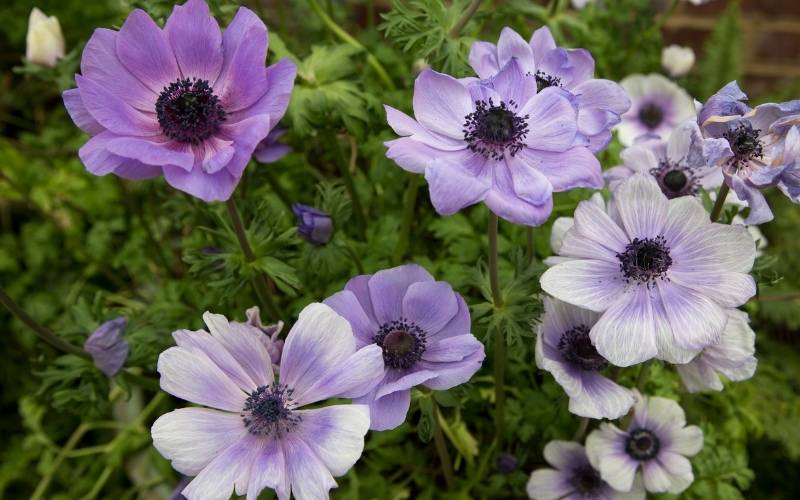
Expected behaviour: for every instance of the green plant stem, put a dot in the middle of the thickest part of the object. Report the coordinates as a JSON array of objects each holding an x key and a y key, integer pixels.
[
  {"x": 465, "y": 17},
  {"x": 353, "y": 255},
  {"x": 70, "y": 444},
  {"x": 349, "y": 184},
  {"x": 348, "y": 39},
  {"x": 409, "y": 202},
  {"x": 260, "y": 282},
  {"x": 499, "y": 339},
  {"x": 641, "y": 379},
  {"x": 278, "y": 189},
  {"x": 40, "y": 330},
  {"x": 441, "y": 448},
  {"x": 721, "y": 195},
  {"x": 529, "y": 244},
  {"x": 581, "y": 431}
]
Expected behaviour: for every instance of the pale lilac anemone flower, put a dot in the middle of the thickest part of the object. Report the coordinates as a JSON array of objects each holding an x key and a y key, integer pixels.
[
  {"x": 187, "y": 101},
  {"x": 255, "y": 433},
  {"x": 681, "y": 165},
  {"x": 423, "y": 328},
  {"x": 733, "y": 356},
  {"x": 564, "y": 349},
  {"x": 758, "y": 154},
  {"x": 658, "y": 270},
  {"x": 600, "y": 102},
  {"x": 658, "y": 106},
  {"x": 657, "y": 441},
  {"x": 498, "y": 141},
  {"x": 573, "y": 477}
]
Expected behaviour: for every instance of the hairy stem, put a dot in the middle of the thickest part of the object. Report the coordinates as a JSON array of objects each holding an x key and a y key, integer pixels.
[
  {"x": 441, "y": 448},
  {"x": 721, "y": 195},
  {"x": 465, "y": 17},
  {"x": 344, "y": 168},
  {"x": 499, "y": 340},
  {"x": 261, "y": 282}
]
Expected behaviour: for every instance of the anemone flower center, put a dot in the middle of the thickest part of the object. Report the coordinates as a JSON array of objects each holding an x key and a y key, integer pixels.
[
  {"x": 269, "y": 411},
  {"x": 587, "y": 481},
  {"x": 645, "y": 260},
  {"x": 651, "y": 115},
  {"x": 674, "y": 180},
  {"x": 403, "y": 343},
  {"x": 188, "y": 111},
  {"x": 492, "y": 130},
  {"x": 745, "y": 143},
  {"x": 543, "y": 80},
  {"x": 576, "y": 347},
  {"x": 642, "y": 444}
]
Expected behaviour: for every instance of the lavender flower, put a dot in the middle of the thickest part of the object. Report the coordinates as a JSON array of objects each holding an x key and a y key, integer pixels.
[
  {"x": 187, "y": 102},
  {"x": 733, "y": 356},
  {"x": 564, "y": 349},
  {"x": 657, "y": 441},
  {"x": 681, "y": 165},
  {"x": 757, "y": 145},
  {"x": 107, "y": 347},
  {"x": 498, "y": 141},
  {"x": 659, "y": 105},
  {"x": 270, "y": 150},
  {"x": 315, "y": 226},
  {"x": 658, "y": 270},
  {"x": 574, "y": 477},
  {"x": 255, "y": 433},
  {"x": 423, "y": 329},
  {"x": 270, "y": 333},
  {"x": 600, "y": 102}
]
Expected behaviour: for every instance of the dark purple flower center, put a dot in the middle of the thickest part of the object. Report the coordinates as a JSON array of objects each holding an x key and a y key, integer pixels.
[
  {"x": 576, "y": 347},
  {"x": 642, "y": 444},
  {"x": 492, "y": 130},
  {"x": 674, "y": 180},
  {"x": 269, "y": 411},
  {"x": 188, "y": 111},
  {"x": 651, "y": 115},
  {"x": 403, "y": 343},
  {"x": 587, "y": 481},
  {"x": 543, "y": 80},
  {"x": 745, "y": 144},
  {"x": 645, "y": 260}
]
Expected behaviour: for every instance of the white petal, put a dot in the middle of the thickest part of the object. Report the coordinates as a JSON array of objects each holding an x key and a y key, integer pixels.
[
  {"x": 642, "y": 206},
  {"x": 626, "y": 334},
  {"x": 336, "y": 434},
  {"x": 593, "y": 284},
  {"x": 441, "y": 103},
  {"x": 244, "y": 344}
]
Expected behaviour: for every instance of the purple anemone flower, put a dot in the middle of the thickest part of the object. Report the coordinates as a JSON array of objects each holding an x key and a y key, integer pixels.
[
  {"x": 733, "y": 356},
  {"x": 600, "y": 102},
  {"x": 574, "y": 477},
  {"x": 423, "y": 329},
  {"x": 564, "y": 349},
  {"x": 270, "y": 150},
  {"x": 757, "y": 156},
  {"x": 187, "y": 101},
  {"x": 107, "y": 347},
  {"x": 681, "y": 165},
  {"x": 658, "y": 270},
  {"x": 315, "y": 226},
  {"x": 657, "y": 441},
  {"x": 659, "y": 105},
  {"x": 270, "y": 333},
  {"x": 255, "y": 433},
  {"x": 498, "y": 141}
]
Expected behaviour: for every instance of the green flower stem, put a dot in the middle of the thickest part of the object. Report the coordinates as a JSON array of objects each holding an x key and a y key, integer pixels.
[
  {"x": 641, "y": 380},
  {"x": 260, "y": 282},
  {"x": 277, "y": 188},
  {"x": 465, "y": 17},
  {"x": 348, "y": 39},
  {"x": 581, "y": 431},
  {"x": 441, "y": 447},
  {"x": 529, "y": 244},
  {"x": 499, "y": 340},
  {"x": 40, "y": 330},
  {"x": 721, "y": 195},
  {"x": 344, "y": 168},
  {"x": 409, "y": 202}
]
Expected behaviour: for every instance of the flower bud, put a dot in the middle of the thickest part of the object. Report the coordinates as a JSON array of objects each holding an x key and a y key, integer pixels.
[
  {"x": 677, "y": 60},
  {"x": 107, "y": 347},
  {"x": 313, "y": 225},
  {"x": 270, "y": 150},
  {"x": 269, "y": 338},
  {"x": 45, "y": 43}
]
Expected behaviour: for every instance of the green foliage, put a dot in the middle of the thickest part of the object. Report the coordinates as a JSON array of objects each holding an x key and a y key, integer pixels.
[{"x": 722, "y": 54}]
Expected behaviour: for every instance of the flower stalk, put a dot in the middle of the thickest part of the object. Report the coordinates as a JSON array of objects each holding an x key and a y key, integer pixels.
[
  {"x": 464, "y": 19},
  {"x": 344, "y": 168},
  {"x": 721, "y": 195},
  {"x": 441, "y": 447},
  {"x": 499, "y": 340}
]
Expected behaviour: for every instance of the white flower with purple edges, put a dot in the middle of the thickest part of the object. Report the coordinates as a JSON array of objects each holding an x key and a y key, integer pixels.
[
  {"x": 657, "y": 441},
  {"x": 600, "y": 102},
  {"x": 681, "y": 165},
  {"x": 658, "y": 106},
  {"x": 498, "y": 141},
  {"x": 573, "y": 477},
  {"x": 733, "y": 356},
  {"x": 422, "y": 327},
  {"x": 659, "y": 272},
  {"x": 564, "y": 349},
  {"x": 255, "y": 433}
]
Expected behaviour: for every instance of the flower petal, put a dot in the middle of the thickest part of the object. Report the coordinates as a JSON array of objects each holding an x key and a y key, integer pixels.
[
  {"x": 452, "y": 348},
  {"x": 196, "y": 40},
  {"x": 335, "y": 434},
  {"x": 244, "y": 343},
  {"x": 575, "y": 168},
  {"x": 483, "y": 59},
  {"x": 430, "y": 305},
  {"x": 151, "y": 152},
  {"x": 604, "y": 447},
  {"x": 205, "y": 343},
  {"x": 593, "y": 284},
  {"x": 353, "y": 377},
  {"x": 696, "y": 320},
  {"x": 552, "y": 120},
  {"x": 79, "y": 114},
  {"x": 269, "y": 471},
  {"x": 512, "y": 46},
  {"x": 642, "y": 207},
  {"x": 388, "y": 411},
  {"x": 565, "y": 455},
  {"x": 113, "y": 113},
  {"x": 441, "y": 103},
  {"x": 452, "y": 185},
  {"x": 216, "y": 481},
  {"x": 549, "y": 484},
  {"x": 627, "y": 332},
  {"x": 388, "y": 287},
  {"x": 145, "y": 51},
  {"x": 346, "y": 304},
  {"x": 308, "y": 475}
]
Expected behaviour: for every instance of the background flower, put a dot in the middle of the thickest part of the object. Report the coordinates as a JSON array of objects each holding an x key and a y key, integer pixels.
[
  {"x": 313, "y": 225},
  {"x": 658, "y": 106},
  {"x": 677, "y": 60},
  {"x": 44, "y": 41},
  {"x": 107, "y": 347}
]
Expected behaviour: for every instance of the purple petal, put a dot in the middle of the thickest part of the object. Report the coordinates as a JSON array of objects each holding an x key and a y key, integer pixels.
[
  {"x": 244, "y": 344},
  {"x": 727, "y": 289},
  {"x": 388, "y": 287},
  {"x": 113, "y": 113},
  {"x": 387, "y": 412},
  {"x": 441, "y": 103},
  {"x": 542, "y": 42},
  {"x": 593, "y": 284},
  {"x": 593, "y": 235},
  {"x": 280, "y": 82},
  {"x": 108, "y": 348},
  {"x": 207, "y": 187},
  {"x": 549, "y": 484},
  {"x": 513, "y": 84},
  {"x": 552, "y": 120},
  {"x": 511, "y": 46},
  {"x": 598, "y": 94},
  {"x": 335, "y": 434},
  {"x": 696, "y": 320},
  {"x": 451, "y": 374},
  {"x": 565, "y": 455},
  {"x": 157, "y": 152},
  {"x": 404, "y": 125},
  {"x": 656, "y": 479},
  {"x": 205, "y": 343},
  {"x": 346, "y": 304},
  {"x": 574, "y": 168},
  {"x": 144, "y": 50},
  {"x": 360, "y": 288},
  {"x": 430, "y": 305},
  {"x": 627, "y": 332},
  {"x": 760, "y": 212},
  {"x": 242, "y": 80},
  {"x": 230, "y": 468},
  {"x": 77, "y": 111},
  {"x": 410, "y": 154},
  {"x": 269, "y": 471},
  {"x": 454, "y": 184},
  {"x": 196, "y": 40},
  {"x": 353, "y": 377},
  {"x": 600, "y": 398},
  {"x": 483, "y": 59},
  {"x": 445, "y": 350},
  {"x": 135, "y": 170},
  {"x": 604, "y": 447},
  {"x": 459, "y": 325},
  {"x": 308, "y": 475},
  {"x": 714, "y": 248},
  {"x": 504, "y": 200},
  {"x": 642, "y": 206}
]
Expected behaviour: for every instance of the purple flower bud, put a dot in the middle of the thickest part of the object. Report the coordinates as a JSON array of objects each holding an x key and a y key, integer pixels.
[
  {"x": 270, "y": 338},
  {"x": 107, "y": 347},
  {"x": 270, "y": 150},
  {"x": 506, "y": 463},
  {"x": 313, "y": 225}
]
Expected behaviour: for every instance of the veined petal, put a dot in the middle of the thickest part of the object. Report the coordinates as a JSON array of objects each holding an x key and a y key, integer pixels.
[
  {"x": 441, "y": 103},
  {"x": 196, "y": 40},
  {"x": 335, "y": 434},
  {"x": 388, "y": 287},
  {"x": 593, "y": 284},
  {"x": 145, "y": 51}
]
